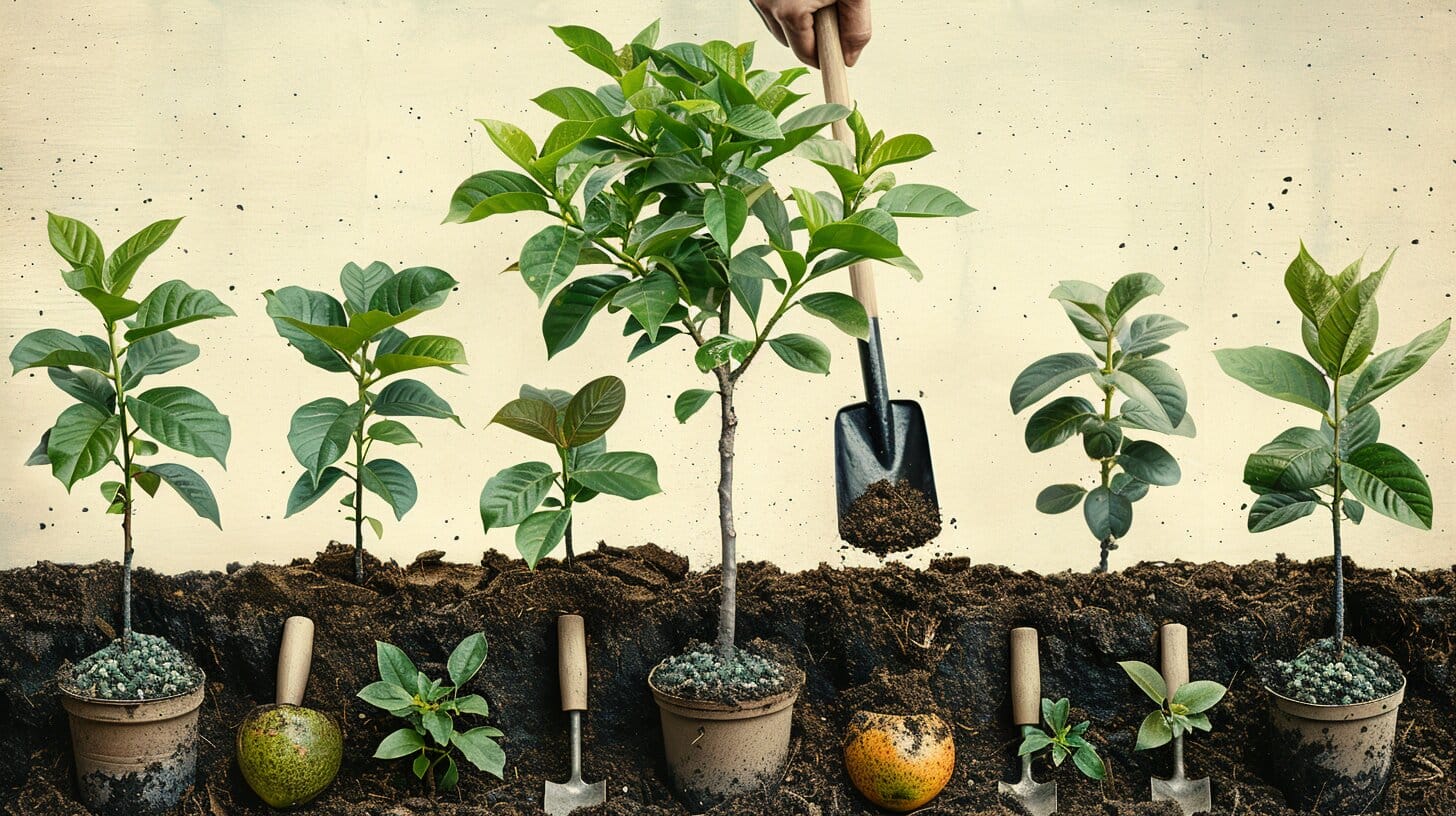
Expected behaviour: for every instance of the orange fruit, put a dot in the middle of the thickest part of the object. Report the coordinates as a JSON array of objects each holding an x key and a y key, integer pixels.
[{"x": 899, "y": 763}]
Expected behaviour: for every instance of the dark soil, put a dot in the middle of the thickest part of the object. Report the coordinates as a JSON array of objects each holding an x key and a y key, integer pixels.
[
  {"x": 892, "y": 640},
  {"x": 890, "y": 517}
]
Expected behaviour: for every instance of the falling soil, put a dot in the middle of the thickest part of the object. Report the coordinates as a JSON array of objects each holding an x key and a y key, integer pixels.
[
  {"x": 894, "y": 640},
  {"x": 890, "y": 517}
]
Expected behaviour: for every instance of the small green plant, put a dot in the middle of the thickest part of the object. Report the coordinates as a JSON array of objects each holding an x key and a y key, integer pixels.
[
  {"x": 431, "y": 708},
  {"x": 1305, "y": 469},
  {"x": 1064, "y": 740},
  {"x": 1154, "y": 400},
  {"x": 359, "y": 337},
  {"x": 576, "y": 425},
  {"x": 1184, "y": 713},
  {"x": 112, "y": 423}
]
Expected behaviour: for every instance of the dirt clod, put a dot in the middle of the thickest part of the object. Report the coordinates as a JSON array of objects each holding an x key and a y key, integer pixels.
[{"x": 890, "y": 517}]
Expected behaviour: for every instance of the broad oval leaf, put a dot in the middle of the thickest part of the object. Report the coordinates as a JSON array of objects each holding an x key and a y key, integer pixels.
[
  {"x": 1391, "y": 368},
  {"x": 923, "y": 201},
  {"x": 754, "y": 122},
  {"x": 1101, "y": 438},
  {"x": 1059, "y": 498},
  {"x": 1347, "y": 333},
  {"x": 306, "y": 491},
  {"x": 690, "y": 401},
  {"x": 79, "y": 245},
  {"x": 90, "y": 387},
  {"x": 412, "y": 398},
  {"x": 649, "y": 299},
  {"x": 299, "y": 305},
  {"x": 425, "y": 351},
  {"x": 1146, "y": 333},
  {"x": 1056, "y": 422},
  {"x": 1296, "y": 459},
  {"x": 156, "y": 354},
  {"x": 1155, "y": 385},
  {"x": 1278, "y": 509},
  {"x": 401, "y": 743},
  {"x": 182, "y": 419},
  {"x": 53, "y": 347},
  {"x": 1199, "y": 695},
  {"x": 725, "y": 210},
  {"x": 321, "y": 430},
  {"x": 122, "y": 265},
  {"x": 548, "y": 258},
  {"x": 174, "y": 304},
  {"x": 514, "y": 493},
  {"x": 906, "y": 147},
  {"x": 1146, "y": 678},
  {"x": 416, "y": 289},
  {"x": 1108, "y": 514},
  {"x": 391, "y": 481},
  {"x": 1046, "y": 375},
  {"x": 193, "y": 489},
  {"x": 535, "y": 418},
  {"x": 111, "y": 307},
  {"x": 576, "y": 104},
  {"x": 539, "y": 534},
  {"x": 494, "y": 192},
  {"x": 1387, "y": 480},
  {"x": 392, "y": 432},
  {"x": 1127, "y": 292},
  {"x": 1311, "y": 289},
  {"x": 395, "y": 666},
  {"x": 846, "y": 313},
  {"x": 467, "y": 658},
  {"x": 593, "y": 410},
  {"x": 481, "y": 750},
  {"x": 361, "y": 282},
  {"x": 1149, "y": 462},
  {"x": 81, "y": 442},
  {"x": 1154, "y": 732},
  {"x": 572, "y": 308},
  {"x": 627, "y": 474},
  {"x": 802, "y": 352}
]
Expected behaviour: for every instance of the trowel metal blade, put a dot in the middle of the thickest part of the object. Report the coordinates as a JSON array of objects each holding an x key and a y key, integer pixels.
[
  {"x": 564, "y": 797},
  {"x": 1038, "y": 798},
  {"x": 1192, "y": 795}
]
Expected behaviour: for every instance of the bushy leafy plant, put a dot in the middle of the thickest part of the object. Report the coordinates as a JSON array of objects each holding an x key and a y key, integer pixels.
[
  {"x": 1123, "y": 364},
  {"x": 1304, "y": 469},
  {"x": 112, "y": 423},
  {"x": 1064, "y": 739},
  {"x": 576, "y": 425},
  {"x": 359, "y": 337},
  {"x": 651, "y": 180},
  {"x": 431, "y": 708},
  {"x": 1184, "y": 713}
]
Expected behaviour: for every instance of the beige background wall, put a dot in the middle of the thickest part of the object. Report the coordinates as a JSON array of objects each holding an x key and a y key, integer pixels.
[{"x": 1096, "y": 140}]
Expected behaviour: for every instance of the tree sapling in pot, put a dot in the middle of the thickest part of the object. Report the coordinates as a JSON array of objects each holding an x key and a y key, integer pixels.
[
  {"x": 652, "y": 180},
  {"x": 576, "y": 425},
  {"x": 1153, "y": 399},
  {"x": 1336, "y": 702},
  {"x": 359, "y": 337},
  {"x": 133, "y": 704}
]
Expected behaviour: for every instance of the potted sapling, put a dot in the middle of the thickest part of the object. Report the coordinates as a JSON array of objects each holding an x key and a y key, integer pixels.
[
  {"x": 576, "y": 426},
  {"x": 1336, "y": 702},
  {"x": 132, "y": 705},
  {"x": 1123, "y": 367},
  {"x": 360, "y": 337},
  {"x": 650, "y": 182}
]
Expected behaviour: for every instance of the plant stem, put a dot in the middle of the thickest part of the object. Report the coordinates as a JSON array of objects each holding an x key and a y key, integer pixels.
[
  {"x": 728, "y": 604},
  {"x": 359, "y": 481},
  {"x": 126, "y": 486},
  {"x": 1335, "y": 505},
  {"x": 1109, "y": 543},
  {"x": 566, "y": 501}
]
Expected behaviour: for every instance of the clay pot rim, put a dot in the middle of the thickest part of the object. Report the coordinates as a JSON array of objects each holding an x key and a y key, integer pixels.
[
  {"x": 754, "y": 707},
  {"x": 199, "y": 690},
  {"x": 1341, "y": 711}
]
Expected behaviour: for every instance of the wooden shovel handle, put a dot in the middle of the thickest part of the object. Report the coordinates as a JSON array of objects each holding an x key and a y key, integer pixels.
[
  {"x": 1025, "y": 677},
  {"x": 1175, "y": 656},
  {"x": 836, "y": 92},
  {"x": 571, "y": 642},
  {"x": 295, "y": 658}
]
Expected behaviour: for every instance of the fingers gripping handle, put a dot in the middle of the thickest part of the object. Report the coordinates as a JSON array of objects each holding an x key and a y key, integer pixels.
[
  {"x": 571, "y": 641},
  {"x": 836, "y": 92},
  {"x": 1025, "y": 677},
  {"x": 295, "y": 658},
  {"x": 1175, "y": 656}
]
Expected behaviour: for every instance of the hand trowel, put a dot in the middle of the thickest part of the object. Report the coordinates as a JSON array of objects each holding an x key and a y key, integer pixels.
[
  {"x": 1038, "y": 798},
  {"x": 564, "y": 797},
  {"x": 1192, "y": 795}
]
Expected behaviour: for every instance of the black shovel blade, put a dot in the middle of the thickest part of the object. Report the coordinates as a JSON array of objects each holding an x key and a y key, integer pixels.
[{"x": 859, "y": 461}]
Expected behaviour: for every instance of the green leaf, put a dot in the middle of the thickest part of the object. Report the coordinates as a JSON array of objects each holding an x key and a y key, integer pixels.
[
  {"x": 473, "y": 704},
  {"x": 627, "y": 474},
  {"x": 1278, "y": 509},
  {"x": 291, "y": 305},
  {"x": 78, "y": 244},
  {"x": 412, "y": 398},
  {"x": 846, "y": 313},
  {"x": 1128, "y": 292},
  {"x": 753, "y": 122},
  {"x": 1296, "y": 459},
  {"x": 53, "y": 347},
  {"x": 156, "y": 354},
  {"x": 392, "y": 432},
  {"x": 1056, "y": 713},
  {"x": 122, "y": 266},
  {"x": 1124, "y": 485},
  {"x": 481, "y": 751},
  {"x": 438, "y": 726},
  {"x": 321, "y": 430},
  {"x": 1135, "y": 415},
  {"x": 492, "y": 193},
  {"x": 1347, "y": 333},
  {"x": 899, "y": 149},
  {"x": 1309, "y": 287},
  {"x": 514, "y": 493},
  {"x": 718, "y": 350},
  {"x": 1089, "y": 763},
  {"x": 466, "y": 659},
  {"x": 1154, "y": 732},
  {"x": 539, "y": 534},
  {"x": 1047, "y": 375},
  {"x": 1387, "y": 480},
  {"x": 1083, "y": 303},
  {"x": 689, "y": 401},
  {"x": 1199, "y": 695},
  {"x": 39, "y": 455},
  {"x": 81, "y": 442},
  {"x": 1100, "y": 439},
  {"x": 1056, "y": 422},
  {"x": 593, "y": 410},
  {"x": 1149, "y": 462},
  {"x": 534, "y": 418},
  {"x": 592, "y": 48},
  {"x": 1147, "y": 678},
  {"x": 193, "y": 489},
  {"x": 395, "y": 666},
  {"x": 548, "y": 258},
  {"x": 576, "y": 104},
  {"x": 649, "y": 299},
  {"x": 174, "y": 304},
  {"x": 1146, "y": 333},
  {"x": 184, "y": 420},
  {"x": 306, "y": 491},
  {"x": 1033, "y": 741},
  {"x": 770, "y": 211},
  {"x": 572, "y": 309},
  {"x": 360, "y": 283},
  {"x": 425, "y": 351},
  {"x": 512, "y": 141},
  {"x": 802, "y": 352},
  {"x": 1391, "y": 368},
  {"x": 391, "y": 481},
  {"x": 1155, "y": 385},
  {"x": 413, "y": 290},
  {"x": 725, "y": 210},
  {"x": 1108, "y": 514},
  {"x": 401, "y": 743},
  {"x": 88, "y": 386},
  {"x": 111, "y": 307},
  {"x": 923, "y": 201},
  {"x": 812, "y": 210},
  {"x": 1059, "y": 498},
  {"x": 1354, "y": 511},
  {"x": 854, "y": 236}
]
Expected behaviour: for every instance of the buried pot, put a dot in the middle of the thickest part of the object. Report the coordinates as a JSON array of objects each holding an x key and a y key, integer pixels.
[
  {"x": 1334, "y": 759},
  {"x": 133, "y": 756}
]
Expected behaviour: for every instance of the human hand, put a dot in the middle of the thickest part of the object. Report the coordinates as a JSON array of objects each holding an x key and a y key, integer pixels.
[{"x": 792, "y": 23}]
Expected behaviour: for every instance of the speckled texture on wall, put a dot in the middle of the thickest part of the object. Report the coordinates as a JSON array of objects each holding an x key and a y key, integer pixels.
[{"x": 1199, "y": 142}]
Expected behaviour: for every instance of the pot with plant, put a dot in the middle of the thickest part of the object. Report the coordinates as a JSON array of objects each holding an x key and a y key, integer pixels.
[
  {"x": 652, "y": 179},
  {"x": 576, "y": 426},
  {"x": 1336, "y": 702},
  {"x": 1122, "y": 365},
  {"x": 360, "y": 337},
  {"x": 132, "y": 705}
]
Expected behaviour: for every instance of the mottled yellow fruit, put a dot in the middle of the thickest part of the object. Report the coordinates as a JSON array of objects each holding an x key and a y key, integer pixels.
[{"x": 899, "y": 763}]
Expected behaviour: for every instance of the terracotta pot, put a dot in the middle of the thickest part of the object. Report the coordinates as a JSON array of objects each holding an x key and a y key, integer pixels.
[
  {"x": 133, "y": 757},
  {"x": 1334, "y": 758},
  {"x": 716, "y": 751}
]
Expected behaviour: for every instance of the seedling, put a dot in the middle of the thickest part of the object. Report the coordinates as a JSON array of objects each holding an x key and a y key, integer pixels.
[
  {"x": 1305, "y": 469},
  {"x": 1176, "y": 717},
  {"x": 359, "y": 337},
  {"x": 111, "y": 423},
  {"x": 576, "y": 425},
  {"x": 1124, "y": 366},
  {"x": 1063, "y": 739},
  {"x": 431, "y": 708},
  {"x": 652, "y": 179}
]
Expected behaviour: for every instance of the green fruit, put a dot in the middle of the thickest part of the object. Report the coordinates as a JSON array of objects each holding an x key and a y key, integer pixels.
[{"x": 289, "y": 754}]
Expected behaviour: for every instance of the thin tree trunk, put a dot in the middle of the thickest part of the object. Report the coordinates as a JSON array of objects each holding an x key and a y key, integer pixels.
[
  {"x": 728, "y": 604},
  {"x": 1108, "y": 545},
  {"x": 359, "y": 520},
  {"x": 126, "y": 571},
  {"x": 1335, "y": 502}
]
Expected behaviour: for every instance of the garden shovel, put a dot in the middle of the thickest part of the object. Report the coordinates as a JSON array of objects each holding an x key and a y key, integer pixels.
[
  {"x": 880, "y": 438},
  {"x": 564, "y": 797},
  {"x": 1038, "y": 798},
  {"x": 1192, "y": 795}
]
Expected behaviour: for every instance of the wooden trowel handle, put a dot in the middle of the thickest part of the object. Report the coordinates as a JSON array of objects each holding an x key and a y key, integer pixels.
[
  {"x": 571, "y": 640},
  {"x": 1025, "y": 677},
  {"x": 1175, "y": 656},
  {"x": 295, "y": 657},
  {"x": 836, "y": 92}
]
